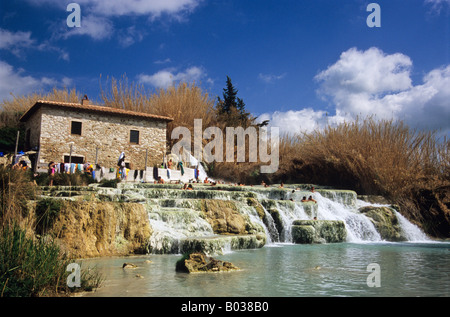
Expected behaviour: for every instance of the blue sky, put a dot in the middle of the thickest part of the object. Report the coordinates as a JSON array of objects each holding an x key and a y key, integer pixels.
[{"x": 299, "y": 63}]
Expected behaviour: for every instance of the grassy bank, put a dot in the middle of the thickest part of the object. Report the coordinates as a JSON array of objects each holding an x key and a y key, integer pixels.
[{"x": 31, "y": 264}]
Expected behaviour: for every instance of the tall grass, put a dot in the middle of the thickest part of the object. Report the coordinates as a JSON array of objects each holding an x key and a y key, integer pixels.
[
  {"x": 16, "y": 190},
  {"x": 370, "y": 156},
  {"x": 183, "y": 102},
  {"x": 12, "y": 109},
  {"x": 31, "y": 265}
]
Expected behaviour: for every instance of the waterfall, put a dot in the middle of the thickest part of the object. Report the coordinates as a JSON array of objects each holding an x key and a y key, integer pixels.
[
  {"x": 338, "y": 207},
  {"x": 173, "y": 225},
  {"x": 410, "y": 230},
  {"x": 359, "y": 227},
  {"x": 178, "y": 221}
]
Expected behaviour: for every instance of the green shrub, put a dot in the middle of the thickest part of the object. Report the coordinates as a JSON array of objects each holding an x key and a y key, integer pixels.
[
  {"x": 29, "y": 267},
  {"x": 47, "y": 211},
  {"x": 36, "y": 267},
  {"x": 109, "y": 183}
]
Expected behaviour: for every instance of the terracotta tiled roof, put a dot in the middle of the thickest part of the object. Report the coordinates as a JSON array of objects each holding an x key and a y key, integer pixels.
[{"x": 94, "y": 108}]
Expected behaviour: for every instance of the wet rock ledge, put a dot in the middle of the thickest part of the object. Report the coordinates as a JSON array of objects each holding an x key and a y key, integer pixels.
[
  {"x": 196, "y": 263},
  {"x": 318, "y": 231}
]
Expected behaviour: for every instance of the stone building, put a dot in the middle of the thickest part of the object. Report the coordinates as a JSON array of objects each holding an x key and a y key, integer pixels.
[{"x": 79, "y": 133}]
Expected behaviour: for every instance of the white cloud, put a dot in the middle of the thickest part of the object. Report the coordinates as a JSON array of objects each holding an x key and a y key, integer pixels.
[
  {"x": 369, "y": 71},
  {"x": 270, "y": 78},
  {"x": 98, "y": 28},
  {"x": 169, "y": 77},
  {"x": 18, "y": 42},
  {"x": 153, "y": 8},
  {"x": 96, "y": 15},
  {"x": 165, "y": 61},
  {"x": 14, "y": 81},
  {"x": 300, "y": 121},
  {"x": 372, "y": 83},
  {"x": 15, "y": 41},
  {"x": 130, "y": 35},
  {"x": 436, "y": 5},
  {"x": 130, "y": 7}
]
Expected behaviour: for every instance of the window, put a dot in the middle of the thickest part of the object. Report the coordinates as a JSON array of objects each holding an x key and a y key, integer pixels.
[
  {"x": 76, "y": 128},
  {"x": 134, "y": 136},
  {"x": 74, "y": 159}
]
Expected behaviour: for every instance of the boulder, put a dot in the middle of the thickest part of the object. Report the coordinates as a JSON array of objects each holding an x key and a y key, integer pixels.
[
  {"x": 196, "y": 263},
  {"x": 318, "y": 231},
  {"x": 217, "y": 244},
  {"x": 385, "y": 221},
  {"x": 129, "y": 266},
  {"x": 224, "y": 216}
]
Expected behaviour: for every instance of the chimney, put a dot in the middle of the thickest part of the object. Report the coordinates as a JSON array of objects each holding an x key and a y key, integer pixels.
[{"x": 85, "y": 100}]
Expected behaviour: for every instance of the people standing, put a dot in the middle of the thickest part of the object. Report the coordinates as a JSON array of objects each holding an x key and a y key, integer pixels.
[
  {"x": 122, "y": 166},
  {"x": 51, "y": 172}
]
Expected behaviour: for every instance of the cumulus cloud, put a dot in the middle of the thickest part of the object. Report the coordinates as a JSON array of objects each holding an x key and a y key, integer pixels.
[
  {"x": 372, "y": 83},
  {"x": 169, "y": 77},
  {"x": 359, "y": 80},
  {"x": 300, "y": 121}
]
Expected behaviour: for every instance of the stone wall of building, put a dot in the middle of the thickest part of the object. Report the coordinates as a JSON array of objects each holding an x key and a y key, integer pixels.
[
  {"x": 33, "y": 130},
  {"x": 102, "y": 135}
]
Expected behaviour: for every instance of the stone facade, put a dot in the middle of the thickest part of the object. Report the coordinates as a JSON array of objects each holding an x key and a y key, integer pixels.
[{"x": 91, "y": 134}]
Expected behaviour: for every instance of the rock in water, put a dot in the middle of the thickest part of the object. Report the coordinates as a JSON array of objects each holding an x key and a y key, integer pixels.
[
  {"x": 386, "y": 222},
  {"x": 196, "y": 263},
  {"x": 318, "y": 231},
  {"x": 129, "y": 266}
]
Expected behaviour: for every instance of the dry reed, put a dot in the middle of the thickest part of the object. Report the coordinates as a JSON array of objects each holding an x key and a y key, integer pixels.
[
  {"x": 12, "y": 109},
  {"x": 183, "y": 102}
]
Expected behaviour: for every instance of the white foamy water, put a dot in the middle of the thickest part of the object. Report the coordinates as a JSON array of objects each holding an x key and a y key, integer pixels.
[{"x": 184, "y": 218}]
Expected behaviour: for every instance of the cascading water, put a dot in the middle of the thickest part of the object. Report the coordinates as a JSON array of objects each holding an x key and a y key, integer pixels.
[
  {"x": 172, "y": 225},
  {"x": 334, "y": 205},
  {"x": 359, "y": 227},
  {"x": 411, "y": 231},
  {"x": 178, "y": 220}
]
